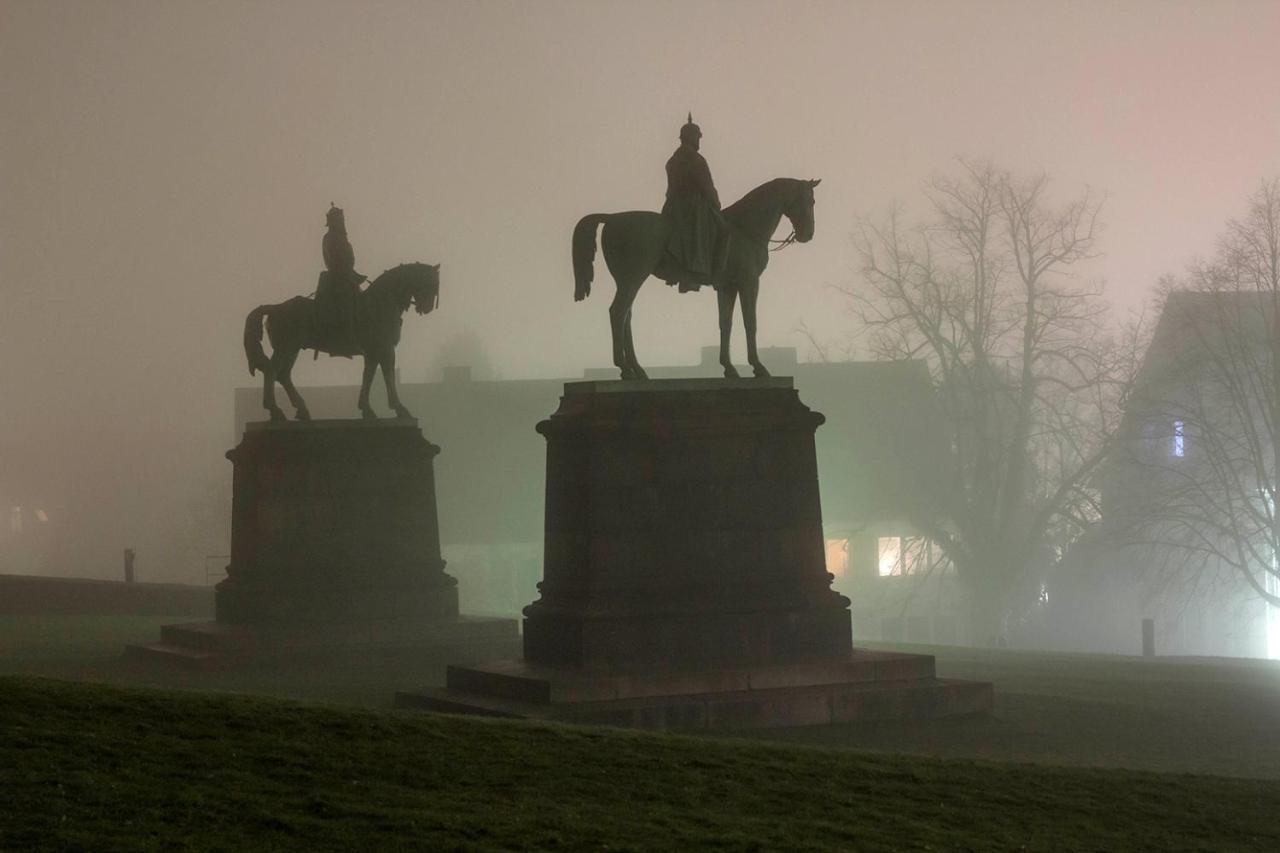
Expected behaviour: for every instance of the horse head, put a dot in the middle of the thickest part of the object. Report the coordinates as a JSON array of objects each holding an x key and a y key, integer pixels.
[
  {"x": 410, "y": 284},
  {"x": 426, "y": 289},
  {"x": 800, "y": 210}
]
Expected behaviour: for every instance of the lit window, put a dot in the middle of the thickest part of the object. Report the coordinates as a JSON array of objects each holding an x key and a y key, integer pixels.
[
  {"x": 905, "y": 555},
  {"x": 890, "y": 555},
  {"x": 837, "y": 556},
  {"x": 1179, "y": 439}
]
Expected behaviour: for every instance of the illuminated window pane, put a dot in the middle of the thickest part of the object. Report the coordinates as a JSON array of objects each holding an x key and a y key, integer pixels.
[
  {"x": 890, "y": 555},
  {"x": 915, "y": 555},
  {"x": 837, "y": 556},
  {"x": 1179, "y": 439}
]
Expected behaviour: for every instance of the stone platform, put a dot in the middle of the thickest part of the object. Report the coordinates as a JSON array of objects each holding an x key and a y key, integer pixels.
[
  {"x": 217, "y": 645},
  {"x": 335, "y": 547},
  {"x": 868, "y": 686},
  {"x": 684, "y": 576}
]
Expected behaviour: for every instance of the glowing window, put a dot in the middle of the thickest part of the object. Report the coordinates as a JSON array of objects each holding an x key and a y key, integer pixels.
[
  {"x": 1179, "y": 439},
  {"x": 890, "y": 555},
  {"x": 837, "y": 556},
  {"x": 904, "y": 555}
]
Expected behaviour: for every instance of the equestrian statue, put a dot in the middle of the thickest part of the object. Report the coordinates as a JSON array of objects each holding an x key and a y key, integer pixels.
[
  {"x": 342, "y": 320},
  {"x": 692, "y": 243}
]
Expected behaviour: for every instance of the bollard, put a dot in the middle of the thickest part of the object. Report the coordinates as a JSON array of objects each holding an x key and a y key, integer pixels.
[{"x": 1148, "y": 638}]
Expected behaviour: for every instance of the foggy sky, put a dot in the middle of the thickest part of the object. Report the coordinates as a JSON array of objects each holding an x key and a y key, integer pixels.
[{"x": 166, "y": 166}]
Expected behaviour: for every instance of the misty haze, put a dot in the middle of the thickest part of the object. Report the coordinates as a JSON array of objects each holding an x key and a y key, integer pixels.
[{"x": 885, "y": 394}]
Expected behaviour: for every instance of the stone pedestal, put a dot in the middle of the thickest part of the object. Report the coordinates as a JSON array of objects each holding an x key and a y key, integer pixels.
[
  {"x": 334, "y": 544},
  {"x": 684, "y": 579},
  {"x": 683, "y": 530}
]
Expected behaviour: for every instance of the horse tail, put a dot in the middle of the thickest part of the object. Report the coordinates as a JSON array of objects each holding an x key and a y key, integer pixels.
[
  {"x": 584, "y": 254},
  {"x": 253, "y": 339}
]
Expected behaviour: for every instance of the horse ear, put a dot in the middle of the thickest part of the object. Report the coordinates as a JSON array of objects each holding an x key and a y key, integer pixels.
[
  {"x": 436, "y": 268},
  {"x": 814, "y": 183}
]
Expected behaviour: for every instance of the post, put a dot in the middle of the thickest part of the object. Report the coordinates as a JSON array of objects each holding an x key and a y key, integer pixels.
[
  {"x": 128, "y": 565},
  {"x": 1148, "y": 638}
]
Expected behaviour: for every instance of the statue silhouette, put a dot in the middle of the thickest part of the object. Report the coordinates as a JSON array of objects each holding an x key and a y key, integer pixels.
[
  {"x": 636, "y": 243},
  {"x": 294, "y": 325}
]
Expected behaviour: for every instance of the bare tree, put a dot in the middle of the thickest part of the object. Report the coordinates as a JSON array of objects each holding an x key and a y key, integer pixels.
[
  {"x": 1206, "y": 419},
  {"x": 1029, "y": 376}
]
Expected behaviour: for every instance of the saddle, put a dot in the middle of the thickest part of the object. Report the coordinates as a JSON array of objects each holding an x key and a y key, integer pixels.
[{"x": 337, "y": 330}]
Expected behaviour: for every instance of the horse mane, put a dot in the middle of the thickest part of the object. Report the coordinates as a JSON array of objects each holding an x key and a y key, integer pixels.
[
  {"x": 403, "y": 275},
  {"x": 753, "y": 198}
]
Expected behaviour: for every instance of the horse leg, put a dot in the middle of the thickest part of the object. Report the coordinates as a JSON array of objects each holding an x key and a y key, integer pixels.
[
  {"x": 636, "y": 370},
  {"x": 631, "y": 368},
  {"x": 618, "y": 310},
  {"x": 750, "y": 290},
  {"x": 370, "y": 365},
  {"x": 285, "y": 378},
  {"x": 269, "y": 395},
  {"x": 725, "y": 298},
  {"x": 388, "y": 363}
]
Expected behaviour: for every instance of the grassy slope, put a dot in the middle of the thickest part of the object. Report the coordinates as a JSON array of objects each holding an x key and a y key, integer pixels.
[
  {"x": 102, "y": 768},
  {"x": 1212, "y": 716}
]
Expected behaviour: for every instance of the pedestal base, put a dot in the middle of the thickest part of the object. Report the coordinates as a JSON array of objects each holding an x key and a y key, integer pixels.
[
  {"x": 685, "y": 581},
  {"x": 217, "y": 645},
  {"x": 867, "y": 686}
]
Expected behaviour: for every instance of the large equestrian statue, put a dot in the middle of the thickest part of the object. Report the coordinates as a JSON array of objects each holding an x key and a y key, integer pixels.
[
  {"x": 636, "y": 241},
  {"x": 294, "y": 325},
  {"x": 692, "y": 243}
]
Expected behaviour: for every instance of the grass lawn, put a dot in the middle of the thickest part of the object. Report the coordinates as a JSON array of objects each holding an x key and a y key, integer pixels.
[
  {"x": 93, "y": 767},
  {"x": 1191, "y": 715},
  {"x": 90, "y": 648},
  {"x": 1201, "y": 716}
]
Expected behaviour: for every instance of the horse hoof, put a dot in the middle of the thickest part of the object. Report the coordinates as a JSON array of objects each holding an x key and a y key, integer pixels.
[
  {"x": 760, "y": 372},
  {"x": 302, "y": 415},
  {"x": 402, "y": 412},
  {"x": 730, "y": 372},
  {"x": 277, "y": 416},
  {"x": 369, "y": 414}
]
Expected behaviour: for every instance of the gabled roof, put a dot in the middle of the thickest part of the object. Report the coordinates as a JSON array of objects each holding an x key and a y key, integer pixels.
[{"x": 1194, "y": 320}]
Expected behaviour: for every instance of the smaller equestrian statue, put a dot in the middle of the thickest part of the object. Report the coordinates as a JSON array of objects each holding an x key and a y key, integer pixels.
[{"x": 294, "y": 325}]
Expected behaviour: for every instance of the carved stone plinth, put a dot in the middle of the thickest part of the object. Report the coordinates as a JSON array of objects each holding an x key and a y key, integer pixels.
[
  {"x": 335, "y": 543},
  {"x": 334, "y": 521},
  {"x": 684, "y": 580},
  {"x": 683, "y": 530}
]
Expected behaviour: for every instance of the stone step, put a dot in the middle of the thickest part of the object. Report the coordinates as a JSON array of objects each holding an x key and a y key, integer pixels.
[
  {"x": 174, "y": 655},
  {"x": 525, "y": 682},
  {"x": 927, "y": 698},
  {"x": 467, "y": 638}
]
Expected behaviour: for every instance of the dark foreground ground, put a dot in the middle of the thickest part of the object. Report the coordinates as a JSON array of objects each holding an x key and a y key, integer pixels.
[
  {"x": 1214, "y": 716},
  {"x": 92, "y": 767},
  {"x": 87, "y": 766}
]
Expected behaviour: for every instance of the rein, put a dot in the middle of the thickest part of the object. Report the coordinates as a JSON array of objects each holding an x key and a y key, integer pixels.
[{"x": 783, "y": 243}]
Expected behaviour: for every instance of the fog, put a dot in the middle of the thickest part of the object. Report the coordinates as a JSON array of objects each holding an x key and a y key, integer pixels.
[{"x": 166, "y": 167}]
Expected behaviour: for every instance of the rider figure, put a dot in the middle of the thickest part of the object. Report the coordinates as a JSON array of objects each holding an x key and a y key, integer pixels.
[
  {"x": 699, "y": 242},
  {"x": 338, "y": 288}
]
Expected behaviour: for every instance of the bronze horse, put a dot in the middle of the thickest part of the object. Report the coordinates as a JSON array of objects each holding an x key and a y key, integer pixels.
[
  {"x": 292, "y": 327},
  {"x": 634, "y": 243}
]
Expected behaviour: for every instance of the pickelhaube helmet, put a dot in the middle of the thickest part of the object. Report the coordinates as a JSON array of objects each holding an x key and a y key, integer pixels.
[
  {"x": 690, "y": 130},
  {"x": 334, "y": 217}
]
